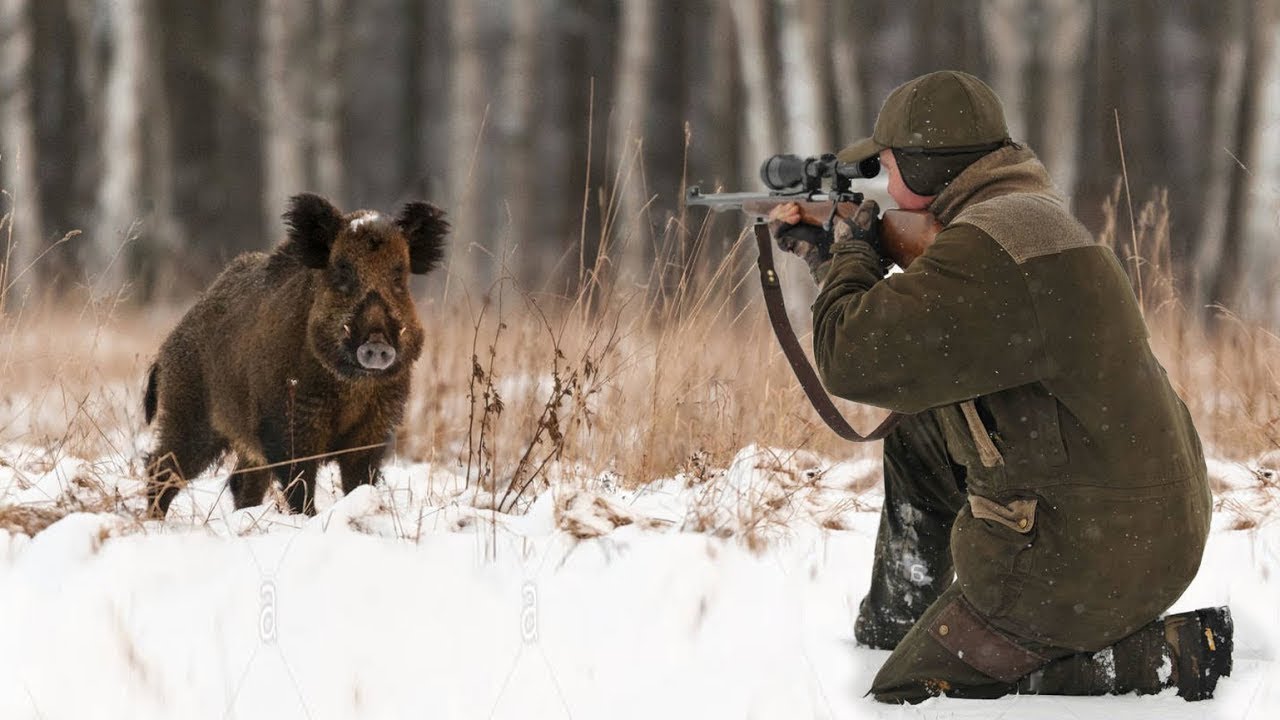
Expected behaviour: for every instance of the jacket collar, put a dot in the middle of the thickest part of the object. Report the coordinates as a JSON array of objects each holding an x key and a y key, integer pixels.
[{"x": 1011, "y": 169}]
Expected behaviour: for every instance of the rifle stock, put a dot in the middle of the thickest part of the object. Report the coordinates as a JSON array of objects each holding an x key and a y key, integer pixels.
[{"x": 906, "y": 234}]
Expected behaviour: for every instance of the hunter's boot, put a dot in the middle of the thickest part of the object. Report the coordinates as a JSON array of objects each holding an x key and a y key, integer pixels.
[
  {"x": 1189, "y": 651},
  {"x": 1200, "y": 644}
]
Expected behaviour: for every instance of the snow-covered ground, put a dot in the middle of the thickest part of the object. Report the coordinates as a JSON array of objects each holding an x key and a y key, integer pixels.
[{"x": 730, "y": 594}]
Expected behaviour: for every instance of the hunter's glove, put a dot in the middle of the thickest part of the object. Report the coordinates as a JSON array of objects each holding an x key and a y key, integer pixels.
[
  {"x": 810, "y": 243},
  {"x": 864, "y": 226}
]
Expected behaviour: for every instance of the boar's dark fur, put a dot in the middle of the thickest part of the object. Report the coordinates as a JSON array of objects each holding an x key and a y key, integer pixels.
[{"x": 297, "y": 353}]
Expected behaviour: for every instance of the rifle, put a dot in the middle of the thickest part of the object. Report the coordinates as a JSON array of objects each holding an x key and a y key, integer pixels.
[
  {"x": 904, "y": 234},
  {"x": 821, "y": 186}
]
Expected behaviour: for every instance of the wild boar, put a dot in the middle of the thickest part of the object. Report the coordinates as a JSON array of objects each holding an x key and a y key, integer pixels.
[{"x": 292, "y": 357}]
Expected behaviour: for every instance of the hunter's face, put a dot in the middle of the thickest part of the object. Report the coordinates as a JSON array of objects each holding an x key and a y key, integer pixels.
[{"x": 898, "y": 190}]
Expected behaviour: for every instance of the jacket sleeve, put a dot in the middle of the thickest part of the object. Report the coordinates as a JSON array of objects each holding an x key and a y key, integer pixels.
[{"x": 957, "y": 324}]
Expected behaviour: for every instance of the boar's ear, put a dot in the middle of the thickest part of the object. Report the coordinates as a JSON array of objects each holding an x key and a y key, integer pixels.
[
  {"x": 424, "y": 226},
  {"x": 313, "y": 225}
]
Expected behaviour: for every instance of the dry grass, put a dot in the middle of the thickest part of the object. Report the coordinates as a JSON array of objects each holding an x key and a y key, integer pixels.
[
  {"x": 634, "y": 381},
  {"x": 1226, "y": 369}
]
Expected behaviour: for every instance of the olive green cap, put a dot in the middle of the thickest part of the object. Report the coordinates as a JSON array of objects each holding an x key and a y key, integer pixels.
[{"x": 945, "y": 110}]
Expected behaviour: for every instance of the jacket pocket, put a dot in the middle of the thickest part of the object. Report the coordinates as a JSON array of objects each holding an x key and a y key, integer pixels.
[
  {"x": 1017, "y": 515},
  {"x": 992, "y": 559}
]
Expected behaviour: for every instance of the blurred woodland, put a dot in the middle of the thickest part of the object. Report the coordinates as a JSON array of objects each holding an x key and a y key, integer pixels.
[{"x": 170, "y": 133}]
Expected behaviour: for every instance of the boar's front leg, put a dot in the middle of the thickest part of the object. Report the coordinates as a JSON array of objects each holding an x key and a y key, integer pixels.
[
  {"x": 361, "y": 467},
  {"x": 300, "y": 487},
  {"x": 249, "y": 485},
  {"x": 287, "y": 446}
]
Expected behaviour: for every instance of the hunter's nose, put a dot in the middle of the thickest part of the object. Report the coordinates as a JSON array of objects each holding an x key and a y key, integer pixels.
[{"x": 375, "y": 355}]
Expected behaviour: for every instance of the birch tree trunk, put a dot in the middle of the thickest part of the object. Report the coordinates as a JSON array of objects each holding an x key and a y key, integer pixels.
[
  {"x": 804, "y": 72},
  {"x": 284, "y": 81},
  {"x": 468, "y": 263},
  {"x": 122, "y": 147},
  {"x": 22, "y": 238},
  {"x": 761, "y": 138},
  {"x": 632, "y": 234},
  {"x": 1066, "y": 26},
  {"x": 807, "y": 132},
  {"x": 1009, "y": 37}
]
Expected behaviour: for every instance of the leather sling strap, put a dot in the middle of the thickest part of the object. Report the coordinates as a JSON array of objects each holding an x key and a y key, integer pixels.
[{"x": 800, "y": 365}]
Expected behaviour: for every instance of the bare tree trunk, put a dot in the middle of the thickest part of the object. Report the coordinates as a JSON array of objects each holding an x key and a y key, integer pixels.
[
  {"x": 846, "y": 83},
  {"x": 1009, "y": 37},
  {"x": 626, "y": 134},
  {"x": 326, "y": 119},
  {"x": 22, "y": 239},
  {"x": 122, "y": 146},
  {"x": 284, "y": 79},
  {"x": 581, "y": 122},
  {"x": 468, "y": 264},
  {"x": 807, "y": 129},
  {"x": 92, "y": 44},
  {"x": 1261, "y": 252},
  {"x": 1211, "y": 257},
  {"x": 376, "y": 120},
  {"x": 163, "y": 264},
  {"x": 718, "y": 124},
  {"x": 725, "y": 120},
  {"x": 761, "y": 138},
  {"x": 1233, "y": 276},
  {"x": 518, "y": 137},
  {"x": 805, "y": 71},
  {"x": 65, "y": 149},
  {"x": 1065, "y": 25}
]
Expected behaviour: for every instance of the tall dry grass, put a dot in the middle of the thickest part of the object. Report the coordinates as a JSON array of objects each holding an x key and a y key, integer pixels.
[
  {"x": 634, "y": 380},
  {"x": 1225, "y": 368}
]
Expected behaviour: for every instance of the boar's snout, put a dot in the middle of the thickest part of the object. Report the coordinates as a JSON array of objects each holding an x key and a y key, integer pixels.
[{"x": 375, "y": 355}]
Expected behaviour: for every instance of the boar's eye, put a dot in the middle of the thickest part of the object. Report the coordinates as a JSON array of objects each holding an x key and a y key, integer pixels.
[{"x": 344, "y": 278}]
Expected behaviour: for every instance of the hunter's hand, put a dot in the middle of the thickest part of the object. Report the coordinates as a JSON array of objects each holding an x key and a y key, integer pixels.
[
  {"x": 785, "y": 214},
  {"x": 864, "y": 226},
  {"x": 795, "y": 233}
]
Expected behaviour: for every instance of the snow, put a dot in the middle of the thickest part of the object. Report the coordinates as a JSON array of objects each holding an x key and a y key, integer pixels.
[
  {"x": 726, "y": 594},
  {"x": 365, "y": 217}
]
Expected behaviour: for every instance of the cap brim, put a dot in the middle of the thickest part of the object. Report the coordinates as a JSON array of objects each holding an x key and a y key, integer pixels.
[{"x": 859, "y": 151}]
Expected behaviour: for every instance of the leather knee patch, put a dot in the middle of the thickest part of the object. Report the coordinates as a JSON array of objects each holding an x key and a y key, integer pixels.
[{"x": 960, "y": 629}]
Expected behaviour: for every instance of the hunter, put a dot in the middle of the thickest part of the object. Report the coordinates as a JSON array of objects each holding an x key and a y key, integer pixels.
[{"x": 1044, "y": 462}]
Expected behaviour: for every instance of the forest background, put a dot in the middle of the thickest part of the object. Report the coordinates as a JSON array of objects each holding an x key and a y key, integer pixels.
[
  {"x": 170, "y": 133},
  {"x": 144, "y": 143}
]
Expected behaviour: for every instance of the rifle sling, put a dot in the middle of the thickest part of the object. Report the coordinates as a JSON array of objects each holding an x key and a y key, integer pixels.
[{"x": 800, "y": 365}]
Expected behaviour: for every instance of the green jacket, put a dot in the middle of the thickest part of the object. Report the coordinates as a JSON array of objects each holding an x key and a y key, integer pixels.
[{"x": 1016, "y": 309}]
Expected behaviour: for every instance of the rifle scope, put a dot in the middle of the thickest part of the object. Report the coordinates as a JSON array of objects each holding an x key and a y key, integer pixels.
[{"x": 788, "y": 172}]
